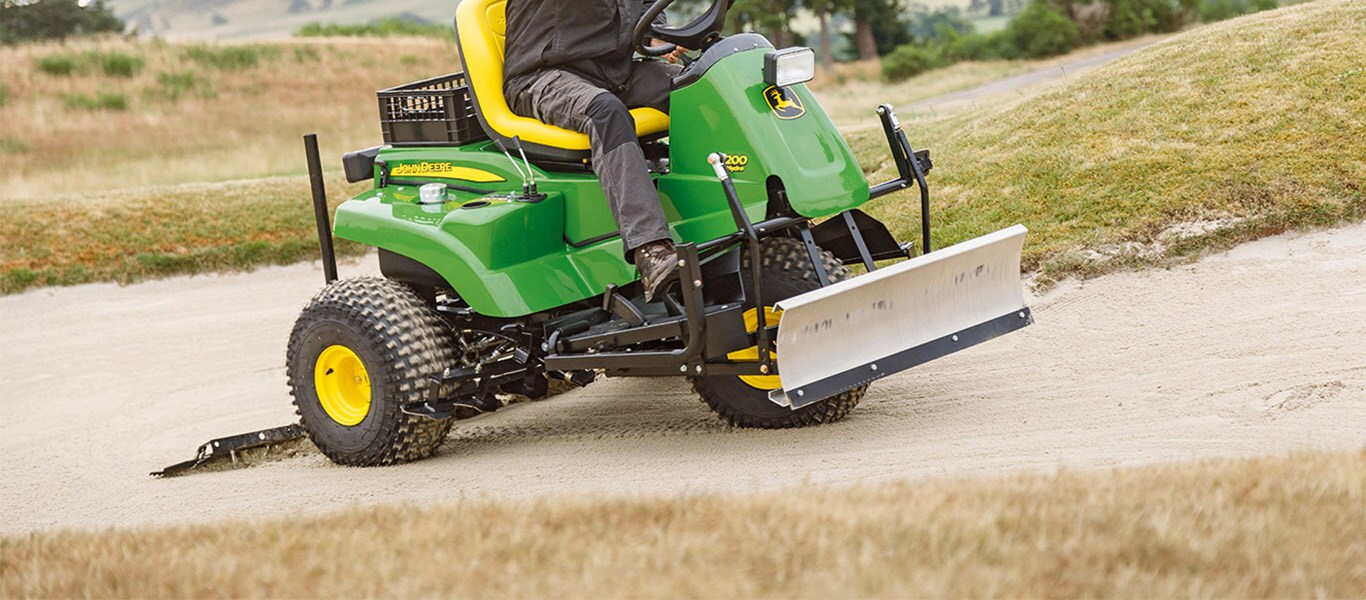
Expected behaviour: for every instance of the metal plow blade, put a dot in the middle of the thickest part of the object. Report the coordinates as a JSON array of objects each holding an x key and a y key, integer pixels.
[{"x": 862, "y": 329}]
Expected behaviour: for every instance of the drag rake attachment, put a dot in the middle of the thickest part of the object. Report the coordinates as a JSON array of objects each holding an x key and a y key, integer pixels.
[{"x": 228, "y": 447}]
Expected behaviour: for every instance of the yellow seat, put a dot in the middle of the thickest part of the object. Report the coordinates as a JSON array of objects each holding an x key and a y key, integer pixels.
[{"x": 481, "y": 29}]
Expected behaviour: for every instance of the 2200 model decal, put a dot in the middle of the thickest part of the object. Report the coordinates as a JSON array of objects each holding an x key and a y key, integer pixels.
[{"x": 736, "y": 163}]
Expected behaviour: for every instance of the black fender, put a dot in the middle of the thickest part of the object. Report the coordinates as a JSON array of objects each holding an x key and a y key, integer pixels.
[
  {"x": 836, "y": 237},
  {"x": 398, "y": 267}
]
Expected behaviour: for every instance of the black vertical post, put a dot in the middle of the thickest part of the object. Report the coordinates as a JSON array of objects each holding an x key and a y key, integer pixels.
[
  {"x": 924, "y": 198},
  {"x": 742, "y": 222},
  {"x": 315, "y": 179},
  {"x": 907, "y": 168}
]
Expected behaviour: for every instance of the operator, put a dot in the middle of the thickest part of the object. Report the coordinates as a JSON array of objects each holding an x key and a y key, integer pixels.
[{"x": 571, "y": 64}]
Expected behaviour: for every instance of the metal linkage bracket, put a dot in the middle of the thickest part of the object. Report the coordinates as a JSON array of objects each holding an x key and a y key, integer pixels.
[
  {"x": 742, "y": 222},
  {"x": 911, "y": 166},
  {"x": 614, "y": 304},
  {"x": 693, "y": 334},
  {"x": 814, "y": 252}
]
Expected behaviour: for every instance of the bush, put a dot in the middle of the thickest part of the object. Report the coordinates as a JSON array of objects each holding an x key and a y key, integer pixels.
[
  {"x": 1132, "y": 18},
  {"x": 391, "y": 26},
  {"x": 118, "y": 64},
  {"x": 935, "y": 25},
  {"x": 54, "y": 19},
  {"x": 1218, "y": 10},
  {"x": 59, "y": 65},
  {"x": 103, "y": 100},
  {"x": 12, "y": 145},
  {"x": 231, "y": 58},
  {"x": 975, "y": 46},
  {"x": 1040, "y": 31},
  {"x": 4, "y": 94},
  {"x": 908, "y": 61},
  {"x": 113, "y": 64},
  {"x": 175, "y": 85},
  {"x": 306, "y": 54}
]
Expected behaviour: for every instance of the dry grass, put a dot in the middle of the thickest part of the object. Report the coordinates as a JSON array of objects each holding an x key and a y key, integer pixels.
[
  {"x": 851, "y": 91},
  {"x": 1226, "y": 133},
  {"x": 854, "y": 90},
  {"x": 1223, "y": 134},
  {"x": 196, "y": 113},
  {"x": 1268, "y": 527},
  {"x": 129, "y": 235}
]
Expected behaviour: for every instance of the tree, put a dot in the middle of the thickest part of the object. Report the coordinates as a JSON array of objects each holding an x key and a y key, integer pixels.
[
  {"x": 879, "y": 27},
  {"x": 926, "y": 25},
  {"x": 824, "y": 9},
  {"x": 773, "y": 18},
  {"x": 30, "y": 20},
  {"x": 1042, "y": 31}
]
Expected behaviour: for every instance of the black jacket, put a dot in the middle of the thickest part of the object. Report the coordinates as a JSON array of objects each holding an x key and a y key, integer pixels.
[{"x": 591, "y": 38}]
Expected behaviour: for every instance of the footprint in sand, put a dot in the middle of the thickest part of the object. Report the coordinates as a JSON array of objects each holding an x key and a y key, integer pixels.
[{"x": 1299, "y": 397}]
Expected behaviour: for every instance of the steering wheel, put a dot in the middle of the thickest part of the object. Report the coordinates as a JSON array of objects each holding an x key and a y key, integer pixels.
[{"x": 697, "y": 35}]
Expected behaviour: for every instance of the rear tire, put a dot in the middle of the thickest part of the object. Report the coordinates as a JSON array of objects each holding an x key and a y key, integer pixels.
[
  {"x": 360, "y": 350},
  {"x": 787, "y": 271}
]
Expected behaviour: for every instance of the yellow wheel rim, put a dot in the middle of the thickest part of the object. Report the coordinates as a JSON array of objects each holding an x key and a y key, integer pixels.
[
  {"x": 759, "y": 382},
  {"x": 343, "y": 385}
]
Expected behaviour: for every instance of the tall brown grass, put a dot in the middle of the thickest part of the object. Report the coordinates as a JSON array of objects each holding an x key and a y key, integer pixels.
[
  {"x": 196, "y": 113},
  {"x": 1233, "y": 528}
]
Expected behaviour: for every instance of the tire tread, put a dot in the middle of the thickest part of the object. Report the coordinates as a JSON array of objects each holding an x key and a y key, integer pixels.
[{"x": 415, "y": 344}]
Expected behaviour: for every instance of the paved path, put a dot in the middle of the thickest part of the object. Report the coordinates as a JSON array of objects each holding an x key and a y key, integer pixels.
[{"x": 1024, "y": 80}]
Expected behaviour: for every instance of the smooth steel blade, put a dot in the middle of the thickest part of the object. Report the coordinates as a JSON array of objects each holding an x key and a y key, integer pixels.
[{"x": 840, "y": 332}]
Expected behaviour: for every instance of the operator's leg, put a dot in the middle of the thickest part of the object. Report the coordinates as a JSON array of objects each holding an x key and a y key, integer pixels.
[
  {"x": 569, "y": 101},
  {"x": 620, "y": 165},
  {"x": 650, "y": 84}
]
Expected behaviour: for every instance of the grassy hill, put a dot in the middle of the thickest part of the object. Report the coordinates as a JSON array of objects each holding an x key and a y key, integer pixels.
[
  {"x": 1233, "y": 528},
  {"x": 1229, "y": 132}
]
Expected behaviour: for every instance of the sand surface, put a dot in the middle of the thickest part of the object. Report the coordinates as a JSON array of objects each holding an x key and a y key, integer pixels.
[{"x": 1260, "y": 350}]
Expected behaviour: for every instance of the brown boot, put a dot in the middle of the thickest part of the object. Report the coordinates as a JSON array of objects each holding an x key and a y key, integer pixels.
[{"x": 658, "y": 265}]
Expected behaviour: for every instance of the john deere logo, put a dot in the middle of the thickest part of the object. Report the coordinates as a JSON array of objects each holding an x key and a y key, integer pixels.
[
  {"x": 444, "y": 170},
  {"x": 784, "y": 102}
]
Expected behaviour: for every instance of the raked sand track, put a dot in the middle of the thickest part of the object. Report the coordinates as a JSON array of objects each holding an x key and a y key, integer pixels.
[{"x": 1260, "y": 350}]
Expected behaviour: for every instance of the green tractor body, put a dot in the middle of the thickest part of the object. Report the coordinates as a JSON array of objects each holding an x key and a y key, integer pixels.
[
  {"x": 503, "y": 269},
  {"x": 508, "y": 258}
]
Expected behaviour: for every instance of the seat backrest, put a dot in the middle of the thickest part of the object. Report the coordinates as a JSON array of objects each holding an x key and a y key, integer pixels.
[{"x": 481, "y": 31}]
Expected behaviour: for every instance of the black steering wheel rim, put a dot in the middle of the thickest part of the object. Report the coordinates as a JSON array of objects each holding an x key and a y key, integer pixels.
[
  {"x": 699, "y": 34},
  {"x": 645, "y": 30}
]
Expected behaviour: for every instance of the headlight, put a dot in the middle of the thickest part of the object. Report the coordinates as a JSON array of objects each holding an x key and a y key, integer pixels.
[{"x": 789, "y": 66}]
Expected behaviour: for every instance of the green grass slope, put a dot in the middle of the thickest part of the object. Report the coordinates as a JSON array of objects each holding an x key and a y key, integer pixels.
[{"x": 1228, "y": 132}]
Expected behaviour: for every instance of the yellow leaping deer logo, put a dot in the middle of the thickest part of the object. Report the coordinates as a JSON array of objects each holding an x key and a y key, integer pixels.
[{"x": 784, "y": 102}]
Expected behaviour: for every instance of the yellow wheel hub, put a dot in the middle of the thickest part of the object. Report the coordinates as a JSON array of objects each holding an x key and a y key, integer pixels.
[
  {"x": 343, "y": 385},
  {"x": 760, "y": 382}
]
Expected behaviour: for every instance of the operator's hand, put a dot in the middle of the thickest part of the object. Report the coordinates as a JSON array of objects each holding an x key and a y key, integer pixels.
[{"x": 674, "y": 56}]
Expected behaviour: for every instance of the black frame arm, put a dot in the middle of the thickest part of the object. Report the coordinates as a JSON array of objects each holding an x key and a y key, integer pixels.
[{"x": 911, "y": 166}]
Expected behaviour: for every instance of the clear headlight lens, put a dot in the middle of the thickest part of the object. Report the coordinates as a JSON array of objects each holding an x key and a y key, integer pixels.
[{"x": 789, "y": 66}]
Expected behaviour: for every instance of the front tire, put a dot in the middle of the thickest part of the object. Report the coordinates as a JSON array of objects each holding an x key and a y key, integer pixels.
[
  {"x": 743, "y": 401},
  {"x": 360, "y": 350}
]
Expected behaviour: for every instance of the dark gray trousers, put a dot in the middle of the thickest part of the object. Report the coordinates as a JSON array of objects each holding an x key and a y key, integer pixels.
[{"x": 567, "y": 100}]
